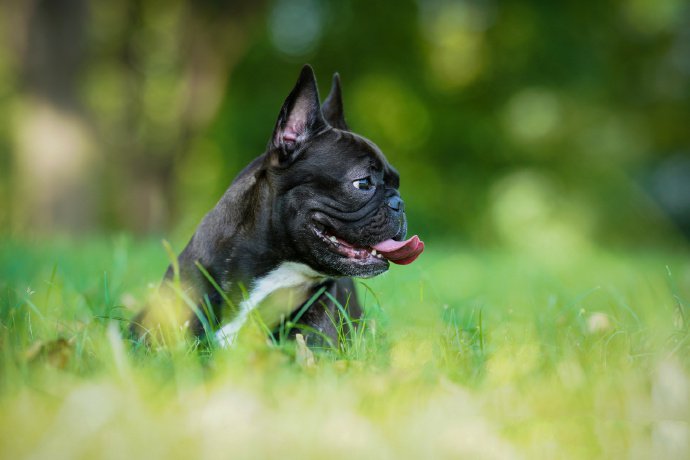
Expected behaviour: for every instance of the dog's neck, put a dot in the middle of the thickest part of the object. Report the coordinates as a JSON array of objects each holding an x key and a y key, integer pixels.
[{"x": 235, "y": 227}]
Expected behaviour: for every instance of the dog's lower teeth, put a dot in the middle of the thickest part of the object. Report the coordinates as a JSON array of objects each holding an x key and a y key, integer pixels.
[{"x": 351, "y": 251}]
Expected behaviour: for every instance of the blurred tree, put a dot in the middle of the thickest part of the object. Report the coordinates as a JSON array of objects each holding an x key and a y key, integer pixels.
[
  {"x": 109, "y": 97},
  {"x": 53, "y": 137},
  {"x": 175, "y": 59}
]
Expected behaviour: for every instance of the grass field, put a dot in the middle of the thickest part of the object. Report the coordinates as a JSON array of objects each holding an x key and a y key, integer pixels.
[{"x": 466, "y": 354}]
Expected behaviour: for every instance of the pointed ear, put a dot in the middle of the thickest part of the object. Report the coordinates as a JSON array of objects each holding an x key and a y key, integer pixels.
[
  {"x": 300, "y": 117},
  {"x": 332, "y": 107}
]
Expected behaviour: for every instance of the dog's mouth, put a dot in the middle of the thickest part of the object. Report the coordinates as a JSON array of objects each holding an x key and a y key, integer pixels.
[{"x": 398, "y": 252}]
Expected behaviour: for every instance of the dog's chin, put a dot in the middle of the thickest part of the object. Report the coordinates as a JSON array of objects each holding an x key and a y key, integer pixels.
[{"x": 338, "y": 257}]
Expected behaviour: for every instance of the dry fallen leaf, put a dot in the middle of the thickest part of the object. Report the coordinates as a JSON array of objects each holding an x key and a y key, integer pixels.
[{"x": 56, "y": 352}]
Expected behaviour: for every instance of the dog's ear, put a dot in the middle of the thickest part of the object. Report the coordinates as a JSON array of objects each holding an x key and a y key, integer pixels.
[
  {"x": 299, "y": 119},
  {"x": 332, "y": 107}
]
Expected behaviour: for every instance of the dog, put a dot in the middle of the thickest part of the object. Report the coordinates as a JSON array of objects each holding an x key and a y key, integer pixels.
[{"x": 318, "y": 207}]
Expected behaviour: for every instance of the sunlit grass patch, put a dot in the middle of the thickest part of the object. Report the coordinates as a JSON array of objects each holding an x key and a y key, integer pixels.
[{"x": 466, "y": 353}]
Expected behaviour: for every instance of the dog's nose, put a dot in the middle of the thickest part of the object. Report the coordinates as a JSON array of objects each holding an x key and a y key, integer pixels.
[{"x": 396, "y": 203}]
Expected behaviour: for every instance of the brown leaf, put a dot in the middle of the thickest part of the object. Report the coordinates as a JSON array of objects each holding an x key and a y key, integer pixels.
[{"x": 56, "y": 352}]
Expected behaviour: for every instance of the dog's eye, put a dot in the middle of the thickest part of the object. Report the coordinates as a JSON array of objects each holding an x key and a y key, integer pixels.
[{"x": 363, "y": 184}]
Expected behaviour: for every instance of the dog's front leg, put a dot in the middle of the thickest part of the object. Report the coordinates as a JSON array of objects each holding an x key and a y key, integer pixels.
[{"x": 323, "y": 323}]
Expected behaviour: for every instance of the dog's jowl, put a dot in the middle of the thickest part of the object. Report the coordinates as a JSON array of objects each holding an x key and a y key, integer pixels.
[{"x": 320, "y": 206}]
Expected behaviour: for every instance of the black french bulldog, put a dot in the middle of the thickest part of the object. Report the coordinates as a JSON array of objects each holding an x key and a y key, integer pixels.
[{"x": 319, "y": 206}]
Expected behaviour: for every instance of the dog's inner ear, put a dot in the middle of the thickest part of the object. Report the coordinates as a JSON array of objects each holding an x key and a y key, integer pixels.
[
  {"x": 300, "y": 117},
  {"x": 332, "y": 107}
]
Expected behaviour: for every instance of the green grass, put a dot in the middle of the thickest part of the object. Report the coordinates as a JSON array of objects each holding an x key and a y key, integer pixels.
[{"x": 465, "y": 354}]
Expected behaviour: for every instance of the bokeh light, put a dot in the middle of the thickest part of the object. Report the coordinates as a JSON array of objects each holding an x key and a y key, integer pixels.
[
  {"x": 532, "y": 213},
  {"x": 296, "y": 26},
  {"x": 532, "y": 114}
]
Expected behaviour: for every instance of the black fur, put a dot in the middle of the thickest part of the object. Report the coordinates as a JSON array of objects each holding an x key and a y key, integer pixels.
[{"x": 303, "y": 182}]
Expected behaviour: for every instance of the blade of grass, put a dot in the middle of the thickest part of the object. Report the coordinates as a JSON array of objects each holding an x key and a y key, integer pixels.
[
  {"x": 304, "y": 308},
  {"x": 215, "y": 285}
]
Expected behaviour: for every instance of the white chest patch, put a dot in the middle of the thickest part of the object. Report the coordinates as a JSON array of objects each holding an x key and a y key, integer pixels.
[{"x": 286, "y": 275}]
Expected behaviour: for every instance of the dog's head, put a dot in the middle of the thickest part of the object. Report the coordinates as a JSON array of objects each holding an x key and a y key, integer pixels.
[{"x": 337, "y": 200}]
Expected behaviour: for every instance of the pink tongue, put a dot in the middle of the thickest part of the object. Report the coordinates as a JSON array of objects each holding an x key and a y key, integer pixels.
[{"x": 401, "y": 252}]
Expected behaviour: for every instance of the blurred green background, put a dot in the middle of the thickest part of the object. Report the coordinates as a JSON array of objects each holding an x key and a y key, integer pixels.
[
  {"x": 553, "y": 127},
  {"x": 544, "y": 149}
]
